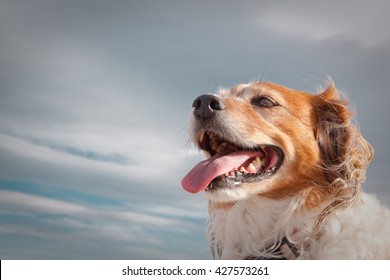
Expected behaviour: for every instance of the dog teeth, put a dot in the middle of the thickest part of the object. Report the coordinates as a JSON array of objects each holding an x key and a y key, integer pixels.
[
  {"x": 257, "y": 162},
  {"x": 215, "y": 141},
  {"x": 243, "y": 170},
  {"x": 251, "y": 168},
  {"x": 222, "y": 146},
  {"x": 214, "y": 144}
]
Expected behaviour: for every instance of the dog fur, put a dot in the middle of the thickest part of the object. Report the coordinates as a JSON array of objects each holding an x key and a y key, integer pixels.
[{"x": 314, "y": 199}]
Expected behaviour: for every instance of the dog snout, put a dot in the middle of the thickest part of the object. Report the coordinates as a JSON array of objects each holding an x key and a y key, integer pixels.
[{"x": 206, "y": 106}]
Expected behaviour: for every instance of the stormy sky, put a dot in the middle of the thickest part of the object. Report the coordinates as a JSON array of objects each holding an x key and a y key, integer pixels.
[{"x": 95, "y": 98}]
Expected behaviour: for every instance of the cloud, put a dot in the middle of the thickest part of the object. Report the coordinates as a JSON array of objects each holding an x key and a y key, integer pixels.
[
  {"x": 145, "y": 159},
  {"x": 61, "y": 221},
  {"x": 22, "y": 203},
  {"x": 95, "y": 97},
  {"x": 363, "y": 22}
]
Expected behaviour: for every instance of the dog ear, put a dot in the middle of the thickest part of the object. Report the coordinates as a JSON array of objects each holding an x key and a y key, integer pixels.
[
  {"x": 333, "y": 131},
  {"x": 345, "y": 153}
]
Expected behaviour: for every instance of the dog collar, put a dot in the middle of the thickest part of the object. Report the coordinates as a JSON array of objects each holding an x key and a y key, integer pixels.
[{"x": 285, "y": 251}]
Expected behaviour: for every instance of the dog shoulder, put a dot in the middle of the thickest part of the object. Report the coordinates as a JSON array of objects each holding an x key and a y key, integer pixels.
[{"x": 360, "y": 232}]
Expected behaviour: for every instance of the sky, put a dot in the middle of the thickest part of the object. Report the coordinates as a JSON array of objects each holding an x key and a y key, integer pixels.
[{"x": 95, "y": 98}]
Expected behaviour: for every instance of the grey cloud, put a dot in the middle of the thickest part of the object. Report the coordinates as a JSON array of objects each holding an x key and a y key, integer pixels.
[
  {"x": 363, "y": 22},
  {"x": 119, "y": 78},
  {"x": 64, "y": 222}
]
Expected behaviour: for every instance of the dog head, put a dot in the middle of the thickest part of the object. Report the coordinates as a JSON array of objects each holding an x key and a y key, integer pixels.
[{"x": 269, "y": 140}]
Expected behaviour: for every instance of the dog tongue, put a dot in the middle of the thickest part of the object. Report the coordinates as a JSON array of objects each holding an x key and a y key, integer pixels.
[{"x": 205, "y": 171}]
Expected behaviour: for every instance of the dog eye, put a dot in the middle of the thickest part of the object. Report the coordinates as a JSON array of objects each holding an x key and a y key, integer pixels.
[{"x": 265, "y": 102}]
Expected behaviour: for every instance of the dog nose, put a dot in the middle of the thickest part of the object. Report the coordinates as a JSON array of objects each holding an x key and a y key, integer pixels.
[{"x": 207, "y": 105}]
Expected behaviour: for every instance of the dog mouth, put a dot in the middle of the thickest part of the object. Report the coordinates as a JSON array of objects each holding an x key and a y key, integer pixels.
[{"x": 230, "y": 165}]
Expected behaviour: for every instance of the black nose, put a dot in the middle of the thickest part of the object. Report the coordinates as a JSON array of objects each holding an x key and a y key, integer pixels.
[{"x": 207, "y": 105}]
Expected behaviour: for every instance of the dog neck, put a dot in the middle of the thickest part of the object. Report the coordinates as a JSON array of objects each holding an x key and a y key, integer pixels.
[
  {"x": 285, "y": 250},
  {"x": 256, "y": 227}
]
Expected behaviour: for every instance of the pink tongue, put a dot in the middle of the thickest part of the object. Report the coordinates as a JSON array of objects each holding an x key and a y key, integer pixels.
[{"x": 205, "y": 171}]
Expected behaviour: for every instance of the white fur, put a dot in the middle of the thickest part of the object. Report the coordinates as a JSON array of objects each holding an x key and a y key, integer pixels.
[
  {"x": 240, "y": 193},
  {"x": 326, "y": 164},
  {"x": 256, "y": 224}
]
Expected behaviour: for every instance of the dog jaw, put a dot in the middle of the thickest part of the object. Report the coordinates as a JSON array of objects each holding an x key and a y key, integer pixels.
[{"x": 289, "y": 125}]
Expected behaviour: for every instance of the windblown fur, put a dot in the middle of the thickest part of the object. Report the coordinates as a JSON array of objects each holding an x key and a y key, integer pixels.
[{"x": 315, "y": 197}]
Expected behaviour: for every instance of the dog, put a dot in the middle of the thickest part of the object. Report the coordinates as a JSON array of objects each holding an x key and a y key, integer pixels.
[{"x": 283, "y": 176}]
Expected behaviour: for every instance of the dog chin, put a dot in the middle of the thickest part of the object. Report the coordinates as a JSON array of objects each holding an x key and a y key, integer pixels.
[
  {"x": 227, "y": 195},
  {"x": 239, "y": 193}
]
